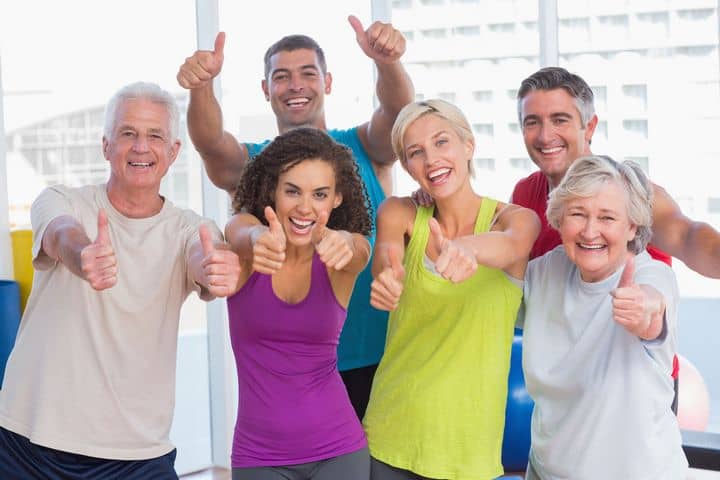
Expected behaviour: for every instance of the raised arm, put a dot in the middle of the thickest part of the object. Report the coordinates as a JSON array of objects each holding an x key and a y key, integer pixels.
[
  {"x": 223, "y": 155},
  {"x": 66, "y": 242},
  {"x": 385, "y": 45},
  {"x": 697, "y": 244}
]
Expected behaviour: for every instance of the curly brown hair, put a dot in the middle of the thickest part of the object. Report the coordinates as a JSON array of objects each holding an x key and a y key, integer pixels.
[{"x": 257, "y": 186}]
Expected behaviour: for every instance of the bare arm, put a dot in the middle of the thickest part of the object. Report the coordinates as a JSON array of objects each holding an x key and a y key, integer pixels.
[
  {"x": 507, "y": 246},
  {"x": 63, "y": 240},
  {"x": 395, "y": 220},
  {"x": 223, "y": 155},
  {"x": 260, "y": 248},
  {"x": 697, "y": 244},
  {"x": 385, "y": 45},
  {"x": 394, "y": 224},
  {"x": 66, "y": 242},
  {"x": 340, "y": 250},
  {"x": 213, "y": 266}
]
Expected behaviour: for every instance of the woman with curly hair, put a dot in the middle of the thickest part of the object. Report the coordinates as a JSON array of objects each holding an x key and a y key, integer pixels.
[{"x": 299, "y": 229}]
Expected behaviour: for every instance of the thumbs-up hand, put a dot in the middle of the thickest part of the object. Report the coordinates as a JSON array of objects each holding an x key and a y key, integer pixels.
[
  {"x": 204, "y": 65},
  {"x": 386, "y": 289},
  {"x": 220, "y": 266},
  {"x": 269, "y": 245},
  {"x": 381, "y": 41},
  {"x": 335, "y": 247},
  {"x": 97, "y": 259},
  {"x": 638, "y": 308},
  {"x": 455, "y": 262}
]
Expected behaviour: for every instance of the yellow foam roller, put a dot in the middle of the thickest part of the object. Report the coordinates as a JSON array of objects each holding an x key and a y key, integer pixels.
[{"x": 22, "y": 262}]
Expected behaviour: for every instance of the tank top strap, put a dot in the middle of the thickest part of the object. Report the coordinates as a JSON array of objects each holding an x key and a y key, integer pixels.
[
  {"x": 421, "y": 233},
  {"x": 485, "y": 215},
  {"x": 320, "y": 285}
]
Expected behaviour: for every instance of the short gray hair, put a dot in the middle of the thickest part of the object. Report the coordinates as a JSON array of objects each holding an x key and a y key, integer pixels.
[
  {"x": 551, "y": 78},
  {"x": 443, "y": 109},
  {"x": 587, "y": 175},
  {"x": 145, "y": 91}
]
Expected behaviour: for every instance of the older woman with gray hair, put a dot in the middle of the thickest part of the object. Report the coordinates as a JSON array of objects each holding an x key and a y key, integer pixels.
[{"x": 599, "y": 318}]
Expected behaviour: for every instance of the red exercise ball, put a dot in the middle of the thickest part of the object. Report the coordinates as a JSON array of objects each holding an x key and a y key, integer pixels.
[{"x": 693, "y": 398}]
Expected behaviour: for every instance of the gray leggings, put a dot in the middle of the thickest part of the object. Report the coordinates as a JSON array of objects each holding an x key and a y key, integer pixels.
[
  {"x": 351, "y": 466},
  {"x": 382, "y": 471}
]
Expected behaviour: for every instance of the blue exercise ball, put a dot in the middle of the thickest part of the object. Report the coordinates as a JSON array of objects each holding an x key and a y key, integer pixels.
[
  {"x": 9, "y": 320},
  {"x": 518, "y": 412}
]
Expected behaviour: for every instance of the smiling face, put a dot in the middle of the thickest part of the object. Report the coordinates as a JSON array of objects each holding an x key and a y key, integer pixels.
[
  {"x": 304, "y": 192},
  {"x": 436, "y": 157},
  {"x": 595, "y": 232},
  {"x": 140, "y": 149},
  {"x": 553, "y": 131},
  {"x": 296, "y": 87}
]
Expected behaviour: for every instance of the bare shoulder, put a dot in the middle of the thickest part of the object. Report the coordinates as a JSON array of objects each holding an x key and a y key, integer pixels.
[
  {"x": 510, "y": 215},
  {"x": 397, "y": 213},
  {"x": 398, "y": 207}
]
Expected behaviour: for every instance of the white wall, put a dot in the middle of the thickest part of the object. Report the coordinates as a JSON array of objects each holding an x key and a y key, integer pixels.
[{"x": 6, "y": 266}]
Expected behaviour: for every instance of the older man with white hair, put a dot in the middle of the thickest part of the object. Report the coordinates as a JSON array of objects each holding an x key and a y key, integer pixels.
[{"x": 89, "y": 386}]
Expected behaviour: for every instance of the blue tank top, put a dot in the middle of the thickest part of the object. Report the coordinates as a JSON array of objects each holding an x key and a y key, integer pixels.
[
  {"x": 363, "y": 337},
  {"x": 293, "y": 407}
]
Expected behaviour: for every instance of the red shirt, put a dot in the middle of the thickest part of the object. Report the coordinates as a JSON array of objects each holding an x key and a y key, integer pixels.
[{"x": 532, "y": 192}]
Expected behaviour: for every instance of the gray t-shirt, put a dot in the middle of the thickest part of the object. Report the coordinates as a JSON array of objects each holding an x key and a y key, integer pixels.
[
  {"x": 602, "y": 395},
  {"x": 93, "y": 372}
]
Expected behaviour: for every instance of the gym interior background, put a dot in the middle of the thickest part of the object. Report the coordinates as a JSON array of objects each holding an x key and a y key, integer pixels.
[{"x": 654, "y": 66}]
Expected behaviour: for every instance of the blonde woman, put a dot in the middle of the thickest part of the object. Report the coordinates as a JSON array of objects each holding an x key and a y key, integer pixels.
[{"x": 451, "y": 275}]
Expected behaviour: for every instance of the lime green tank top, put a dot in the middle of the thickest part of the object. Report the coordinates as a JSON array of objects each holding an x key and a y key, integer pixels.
[{"x": 437, "y": 406}]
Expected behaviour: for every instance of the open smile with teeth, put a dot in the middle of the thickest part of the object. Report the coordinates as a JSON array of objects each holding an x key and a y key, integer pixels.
[
  {"x": 297, "y": 102},
  {"x": 439, "y": 175},
  {"x": 301, "y": 226},
  {"x": 591, "y": 246},
  {"x": 551, "y": 150},
  {"x": 141, "y": 164}
]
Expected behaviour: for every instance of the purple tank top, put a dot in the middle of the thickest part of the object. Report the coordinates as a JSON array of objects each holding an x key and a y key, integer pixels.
[{"x": 293, "y": 407}]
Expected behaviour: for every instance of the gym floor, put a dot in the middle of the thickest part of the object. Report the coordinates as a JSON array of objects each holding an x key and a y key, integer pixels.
[{"x": 223, "y": 474}]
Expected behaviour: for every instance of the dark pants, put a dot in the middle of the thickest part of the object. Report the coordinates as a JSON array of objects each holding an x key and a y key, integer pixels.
[
  {"x": 351, "y": 466},
  {"x": 358, "y": 382},
  {"x": 382, "y": 471},
  {"x": 22, "y": 460}
]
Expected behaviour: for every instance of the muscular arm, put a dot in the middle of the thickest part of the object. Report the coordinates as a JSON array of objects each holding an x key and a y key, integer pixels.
[
  {"x": 385, "y": 45},
  {"x": 697, "y": 244},
  {"x": 394, "y": 90},
  {"x": 224, "y": 157}
]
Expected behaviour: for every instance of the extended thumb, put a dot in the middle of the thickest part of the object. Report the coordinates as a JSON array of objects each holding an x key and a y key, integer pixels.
[{"x": 628, "y": 274}]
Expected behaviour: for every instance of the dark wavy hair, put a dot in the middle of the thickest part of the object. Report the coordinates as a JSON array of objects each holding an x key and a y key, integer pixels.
[{"x": 258, "y": 184}]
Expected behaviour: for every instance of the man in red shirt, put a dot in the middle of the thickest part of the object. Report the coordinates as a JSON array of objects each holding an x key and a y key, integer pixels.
[{"x": 557, "y": 117}]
